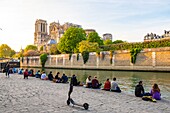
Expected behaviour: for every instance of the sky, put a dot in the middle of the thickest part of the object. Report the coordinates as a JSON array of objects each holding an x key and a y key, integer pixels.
[{"x": 128, "y": 20}]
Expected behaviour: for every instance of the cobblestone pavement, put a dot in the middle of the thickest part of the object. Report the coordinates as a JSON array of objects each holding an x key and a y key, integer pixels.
[{"x": 32, "y": 95}]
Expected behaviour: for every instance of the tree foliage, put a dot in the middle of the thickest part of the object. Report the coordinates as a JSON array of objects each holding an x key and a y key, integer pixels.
[
  {"x": 107, "y": 42},
  {"x": 54, "y": 49},
  {"x": 85, "y": 55},
  {"x": 94, "y": 37},
  {"x": 41, "y": 48},
  {"x": 6, "y": 51},
  {"x": 118, "y": 41},
  {"x": 129, "y": 46},
  {"x": 31, "y": 53},
  {"x": 88, "y": 46},
  {"x": 30, "y": 47},
  {"x": 134, "y": 52},
  {"x": 43, "y": 59},
  {"x": 70, "y": 40}
]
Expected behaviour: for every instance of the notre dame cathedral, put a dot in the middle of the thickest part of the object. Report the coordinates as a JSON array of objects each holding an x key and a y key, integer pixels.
[
  {"x": 44, "y": 39},
  {"x": 41, "y": 36}
]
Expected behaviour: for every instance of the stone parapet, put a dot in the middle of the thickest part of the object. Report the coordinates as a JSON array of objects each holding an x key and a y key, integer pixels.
[{"x": 153, "y": 59}]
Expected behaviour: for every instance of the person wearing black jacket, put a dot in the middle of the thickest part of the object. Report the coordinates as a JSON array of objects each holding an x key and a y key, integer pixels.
[
  {"x": 7, "y": 67},
  {"x": 139, "y": 90},
  {"x": 74, "y": 81},
  {"x": 50, "y": 76}
]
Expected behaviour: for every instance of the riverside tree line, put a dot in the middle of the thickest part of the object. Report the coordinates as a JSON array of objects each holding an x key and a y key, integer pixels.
[{"x": 76, "y": 41}]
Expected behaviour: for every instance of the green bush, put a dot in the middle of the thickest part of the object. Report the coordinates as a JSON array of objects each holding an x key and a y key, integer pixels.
[
  {"x": 129, "y": 46},
  {"x": 134, "y": 52},
  {"x": 43, "y": 59},
  {"x": 85, "y": 55}
]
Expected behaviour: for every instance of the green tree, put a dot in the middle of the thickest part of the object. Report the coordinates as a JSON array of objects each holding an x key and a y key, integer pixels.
[
  {"x": 88, "y": 46},
  {"x": 107, "y": 42},
  {"x": 6, "y": 51},
  {"x": 30, "y": 47},
  {"x": 94, "y": 37},
  {"x": 31, "y": 53},
  {"x": 54, "y": 50},
  {"x": 118, "y": 41},
  {"x": 12, "y": 53},
  {"x": 41, "y": 48},
  {"x": 43, "y": 59},
  {"x": 70, "y": 40}
]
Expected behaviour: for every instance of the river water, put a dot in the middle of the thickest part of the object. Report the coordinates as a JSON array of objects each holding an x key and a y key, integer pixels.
[{"x": 127, "y": 80}]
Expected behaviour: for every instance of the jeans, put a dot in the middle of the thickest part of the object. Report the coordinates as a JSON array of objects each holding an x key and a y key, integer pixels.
[{"x": 7, "y": 72}]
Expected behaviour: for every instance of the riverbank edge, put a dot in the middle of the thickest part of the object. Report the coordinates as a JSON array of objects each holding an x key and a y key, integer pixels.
[{"x": 135, "y": 69}]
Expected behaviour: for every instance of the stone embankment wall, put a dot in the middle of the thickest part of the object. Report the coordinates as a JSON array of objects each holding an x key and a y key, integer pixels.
[{"x": 155, "y": 59}]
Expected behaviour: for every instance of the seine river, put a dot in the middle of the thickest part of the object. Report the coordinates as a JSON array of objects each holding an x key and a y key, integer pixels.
[{"x": 126, "y": 79}]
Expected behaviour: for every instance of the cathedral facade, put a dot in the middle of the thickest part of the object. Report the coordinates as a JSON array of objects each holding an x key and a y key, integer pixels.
[{"x": 41, "y": 36}]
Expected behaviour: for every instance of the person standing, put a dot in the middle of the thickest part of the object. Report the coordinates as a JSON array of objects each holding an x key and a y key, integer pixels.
[
  {"x": 7, "y": 67},
  {"x": 139, "y": 90},
  {"x": 26, "y": 73}
]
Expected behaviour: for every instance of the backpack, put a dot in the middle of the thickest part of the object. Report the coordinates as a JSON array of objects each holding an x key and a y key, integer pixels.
[{"x": 148, "y": 98}]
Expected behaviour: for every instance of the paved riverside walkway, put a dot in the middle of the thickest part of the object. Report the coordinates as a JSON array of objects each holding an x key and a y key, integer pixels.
[{"x": 18, "y": 95}]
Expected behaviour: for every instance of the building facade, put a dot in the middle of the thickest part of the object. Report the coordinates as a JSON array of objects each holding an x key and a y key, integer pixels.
[
  {"x": 154, "y": 37},
  {"x": 88, "y": 31},
  {"x": 56, "y": 30},
  {"x": 40, "y": 35},
  {"x": 107, "y": 36}
]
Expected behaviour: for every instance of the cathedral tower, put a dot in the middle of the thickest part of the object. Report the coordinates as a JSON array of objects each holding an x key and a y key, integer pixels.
[{"x": 40, "y": 34}]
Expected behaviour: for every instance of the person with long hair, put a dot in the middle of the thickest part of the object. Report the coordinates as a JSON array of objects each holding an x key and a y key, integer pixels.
[{"x": 155, "y": 92}]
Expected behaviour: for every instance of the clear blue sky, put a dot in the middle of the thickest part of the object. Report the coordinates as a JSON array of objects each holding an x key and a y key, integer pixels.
[{"x": 127, "y": 20}]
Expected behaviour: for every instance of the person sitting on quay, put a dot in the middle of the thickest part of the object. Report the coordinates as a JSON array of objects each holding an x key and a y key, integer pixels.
[
  {"x": 95, "y": 83},
  {"x": 20, "y": 71},
  {"x": 43, "y": 76},
  {"x": 64, "y": 79},
  {"x": 107, "y": 85},
  {"x": 14, "y": 70},
  {"x": 38, "y": 74},
  {"x": 74, "y": 80},
  {"x": 31, "y": 73},
  {"x": 57, "y": 78},
  {"x": 50, "y": 76},
  {"x": 139, "y": 90},
  {"x": 114, "y": 86},
  {"x": 26, "y": 73},
  {"x": 88, "y": 82},
  {"x": 155, "y": 92}
]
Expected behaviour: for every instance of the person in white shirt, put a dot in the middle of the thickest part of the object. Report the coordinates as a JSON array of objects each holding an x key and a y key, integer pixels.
[
  {"x": 114, "y": 86},
  {"x": 43, "y": 76},
  {"x": 88, "y": 82}
]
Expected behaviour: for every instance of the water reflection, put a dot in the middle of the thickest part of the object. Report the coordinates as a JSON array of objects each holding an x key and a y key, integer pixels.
[{"x": 126, "y": 80}]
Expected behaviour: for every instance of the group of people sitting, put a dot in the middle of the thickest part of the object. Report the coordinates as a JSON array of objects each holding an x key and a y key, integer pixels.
[
  {"x": 154, "y": 92},
  {"x": 57, "y": 79},
  {"x": 28, "y": 72},
  {"x": 94, "y": 83},
  {"x": 108, "y": 86}
]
